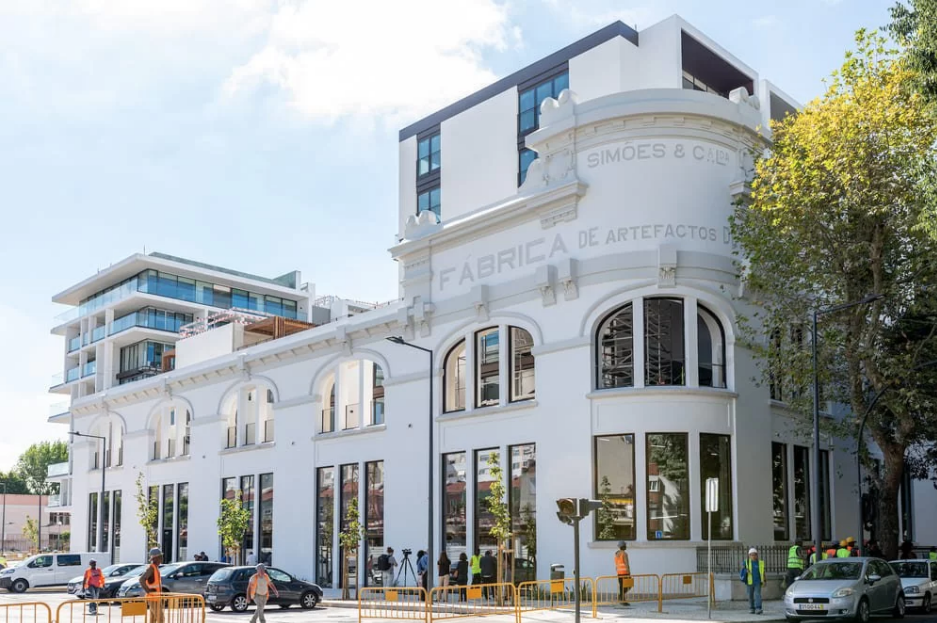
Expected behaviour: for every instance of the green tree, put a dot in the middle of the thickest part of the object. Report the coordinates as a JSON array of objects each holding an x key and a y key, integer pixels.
[
  {"x": 31, "y": 531},
  {"x": 33, "y": 464},
  {"x": 14, "y": 483},
  {"x": 498, "y": 507},
  {"x": 147, "y": 512},
  {"x": 350, "y": 538},
  {"x": 834, "y": 215},
  {"x": 915, "y": 26},
  {"x": 233, "y": 523},
  {"x": 529, "y": 532},
  {"x": 606, "y": 513}
]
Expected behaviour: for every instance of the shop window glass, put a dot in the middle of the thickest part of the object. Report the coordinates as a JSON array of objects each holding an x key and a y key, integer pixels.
[
  {"x": 668, "y": 500},
  {"x": 454, "y": 503},
  {"x": 615, "y": 350},
  {"x": 715, "y": 456},
  {"x": 614, "y": 471},
  {"x": 663, "y": 342},
  {"x": 454, "y": 379}
]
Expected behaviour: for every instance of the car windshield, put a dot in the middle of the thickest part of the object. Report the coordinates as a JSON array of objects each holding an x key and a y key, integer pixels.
[
  {"x": 136, "y": 571},
  {"x": 220, "y": 575},
  {"x": 165, "y": 570},
  {"x": 110, "y": 569},
  {"x": 910, "y": 569},
  {"x": 834, "y": 571}
]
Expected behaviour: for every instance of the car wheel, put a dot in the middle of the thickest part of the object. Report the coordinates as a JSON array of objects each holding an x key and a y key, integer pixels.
[
  {"x": 19, "y": 586},
  {"x": 216, "y": 607},
  {"x": 899, "y": 607},
  {"x": 927, "y": 606},
  {"x": 309, "y": 600},
  {"x": 862, "y": 611},
  {"x": 239, "y": 603}
]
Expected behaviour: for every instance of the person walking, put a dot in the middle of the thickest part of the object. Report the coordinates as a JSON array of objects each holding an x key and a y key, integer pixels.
[
  {"x": 258, "y": 589},
  {"x": 753, "y": 574},
  {"x": 623, "y": 571},
  {"x": 795, "y": 563},
  {"x": 93, "y": 583},
  {"x": 475, "y": 562},
  {"x": 443, "y": 566},
  {"x": 489, "y": 569},
  {"x": 152, "y": 583},
  {"x": 874, "y": 550},
  {"x": 385, "y": 564},
  {"x": 462, "y": 571}
]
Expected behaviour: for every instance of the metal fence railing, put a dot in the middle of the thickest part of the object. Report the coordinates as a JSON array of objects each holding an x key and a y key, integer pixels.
[
  {"x": 25, "y": 612},
  {"x": 730, "y": 558}
]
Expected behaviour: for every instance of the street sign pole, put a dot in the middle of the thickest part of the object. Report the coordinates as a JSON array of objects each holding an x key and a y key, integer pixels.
[
  {"x": 712, "y": 505},
  {"x": 576, "y": 566}
]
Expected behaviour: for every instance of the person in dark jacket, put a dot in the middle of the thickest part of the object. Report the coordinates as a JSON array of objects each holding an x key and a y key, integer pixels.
[
  {"x": 489, "y": 565},
  {"x": 462, "y": 570},
  {"x": 443, "y": 567}
]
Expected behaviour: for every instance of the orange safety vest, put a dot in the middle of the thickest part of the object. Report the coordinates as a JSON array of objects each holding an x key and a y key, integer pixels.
[
  {"x": 94, "y": 577},
  {"x": 621, "y": 563},
  {"x": 155, "y": 583}
]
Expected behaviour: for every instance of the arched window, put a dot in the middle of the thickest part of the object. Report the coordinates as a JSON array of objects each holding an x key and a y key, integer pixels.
[
  {"x": 664, "y": 352},
  {"x": 522, "y": 365},
  {"x": 158, "y": 438},
  {"x": 454, "y": 379},
  {"x": 711, "y": 347},
  {"x": 615, "y": 349},
  {"x": 327, "y": 420},
  {"x": 487, "y": 367},
  {"x": 231, "y": 430},
  {"x": 265, "y": 416}
]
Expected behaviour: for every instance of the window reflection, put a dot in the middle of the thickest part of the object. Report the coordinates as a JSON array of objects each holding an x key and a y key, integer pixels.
[
  {"x": 715, "y": 456},
  {"x": 325, "y": 482},
  {"x": 668, "y": 500},
  {"x": 615, "y": 349},
  {"x": 454, "y": 501},
  {"x": 523, "y": 499},
  {"x": 614, "y": 470},
  {"x": 663, "y": 342},
  {"x": 711, "y": 348},
  {"x": 487, "y": 358},
  {"x": 454, "y": 379},
  {"x": 779, "y": 490},
  {"x": 484, "y": 519},
  {"x": 522, "y": 365},
  {"x": 801, "y": 493}
]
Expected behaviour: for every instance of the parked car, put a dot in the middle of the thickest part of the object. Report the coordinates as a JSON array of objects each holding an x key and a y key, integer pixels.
[
  {"x": 114, "y": 576},
  {"x": 180, "y": 577},
  {"x": 919, "y": 581},
  {"x": 48, "y": 570},
  {"x": 228, "y": 587},
  {"x": 841, "y": 588}
]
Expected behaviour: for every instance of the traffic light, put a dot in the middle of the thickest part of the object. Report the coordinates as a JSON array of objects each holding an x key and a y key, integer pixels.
[{"x": 572, "y": 509}]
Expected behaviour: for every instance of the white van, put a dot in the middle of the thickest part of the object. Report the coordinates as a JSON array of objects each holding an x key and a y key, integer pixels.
[{"x": 49, "y": 570}]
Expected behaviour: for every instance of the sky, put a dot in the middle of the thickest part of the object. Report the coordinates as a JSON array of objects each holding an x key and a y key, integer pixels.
[{"x": 261, "y": 135}]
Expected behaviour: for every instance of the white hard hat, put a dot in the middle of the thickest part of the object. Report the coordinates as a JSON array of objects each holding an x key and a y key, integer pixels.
[{"x": 753, "y": 551}]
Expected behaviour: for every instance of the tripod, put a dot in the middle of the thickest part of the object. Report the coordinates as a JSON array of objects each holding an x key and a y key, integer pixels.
[{"x": 405, "y": 566}]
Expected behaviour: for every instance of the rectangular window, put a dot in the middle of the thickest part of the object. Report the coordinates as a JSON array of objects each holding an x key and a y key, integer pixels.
[
  {"x": 93, "y": 522},
  {"x": 668, "y": 499},
  {"x": 118, "y": 499},
  {"x": 325, "y": 483},
  {"x": 377, "y": 395},
  {"x": 247, "y": 503},
  {"x": 152, "y": 498},
  {"x": 182, "y": 538},
  {"x": 349, "y": 492},
  {"x": 106, "y": 512},
  {"x": 802, "y": 493},
  {"x": 484, "y": 519},
  {"x": 663, "y": 342},
  {"x": 487, "y": 355},
  {"x": 374, "y": 512},
  {"x": 614, "y": 486},
  {"x": 779, "y": 490},
  {"x": 825, "y": 494},
  {"x": 522, "y": 365},
  {"x": 428, "y": 153},
  {"x": 430, "y": 200},
  {"x": 529, "y": 99},
  {"x": 523, "y": 499},
  {"x": 715, "y": 458},
  {"x": 454, "y": 501},
  {"x": 266, "y": 519},
  {"x": 167, "y": 542}
]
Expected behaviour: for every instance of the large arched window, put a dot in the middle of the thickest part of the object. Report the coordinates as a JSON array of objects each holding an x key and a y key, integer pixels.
[
  {"x": 487, "y": 367},
  {"x": 157, "y": 453},
  {"x": 231, "y": 421},
  {"x": 615, "y": 349},
  {"x": 113, "y": 431},
  {"x": 352, "y": 396},
  {"x": 664, "y": 351},
  {"x": 522, "y": 365},
  {"x": 454, "y": 379},
  {"x": 327, "y": 419},
  {"x": 711, "y": 347}
]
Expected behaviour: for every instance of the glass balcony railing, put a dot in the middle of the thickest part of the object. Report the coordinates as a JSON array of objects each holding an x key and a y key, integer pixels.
[
  {"x": 89, "y": 369},
  {"x": 71, "y": 375},
  {"x": 74, "y": 344},
  {"x": 98, "y": 334},
  {"x": 57, "y": 379},
  {"x": 56, "y": 470},
  {"x": 58, "y": 408},
  {"x": 268, "y": 431},
  {"x": 327, "y": 422},
  {"x": 232, "y": 437},
  {"x": 117, "y": 294},
  {"x": 151, "y": 319}
]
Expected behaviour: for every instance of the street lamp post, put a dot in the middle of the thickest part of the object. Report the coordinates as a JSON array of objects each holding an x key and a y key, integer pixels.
[
  {"x": 816, "y": 525},
  {"x": 100, "y": 530},
  {"x": 431, "y": 463},
  {"x": 3, "y": 521}
]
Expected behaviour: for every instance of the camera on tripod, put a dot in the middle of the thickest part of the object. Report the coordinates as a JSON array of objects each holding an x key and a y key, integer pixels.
[{"x": 407, "y": 552}]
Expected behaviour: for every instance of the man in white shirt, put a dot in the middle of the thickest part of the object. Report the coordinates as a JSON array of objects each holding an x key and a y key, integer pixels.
[{"x": 251, "y": 558}]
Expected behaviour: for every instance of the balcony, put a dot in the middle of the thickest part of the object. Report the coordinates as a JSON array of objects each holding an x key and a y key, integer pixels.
[
  {"x": 327, "y": 421},
  {"x": 59, "y": 408},
  {"x": 74, "y": 344},
  {"x": 71, "y": 375},
  {"x": 89, "y": 369},
  {"x": 117, "y": 294},
  {"x": 150, "y": 319},
  {"x": 98, "y": 334},
  {"x": 268, "y": 431},
  {"x": 57, "y": 470}
]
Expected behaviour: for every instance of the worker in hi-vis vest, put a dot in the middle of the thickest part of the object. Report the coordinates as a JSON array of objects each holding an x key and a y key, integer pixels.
[
  {"x": 753, "y": 574},
  {"x": 623, "y": 570},
  {"x": 795, "y": 563}
]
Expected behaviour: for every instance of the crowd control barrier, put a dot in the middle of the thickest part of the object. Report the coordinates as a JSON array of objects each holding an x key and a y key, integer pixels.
[
  {"x": 553, "y": 594},
  {"x": 162, "y": 608},
  {"x": 477, "y": 600},
  {"x": 684, "y": 586},
  {"x": 642, "y": 587},
  {"x": 27, "y": 612},
  {"x": 392, "y": 603}
]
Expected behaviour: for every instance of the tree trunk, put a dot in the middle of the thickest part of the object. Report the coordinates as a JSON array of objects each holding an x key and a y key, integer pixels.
[
  {"x": 345, "y": 591},
  {"x": 889, "y": 535}
]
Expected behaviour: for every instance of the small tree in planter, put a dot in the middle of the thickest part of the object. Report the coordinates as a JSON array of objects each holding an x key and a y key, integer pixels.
[
  {"x": 350, "y": 538},
  {"x": 498, "y": 507},
  {"x": 147, "y": 512},
  {"x": 232, "y": 525}
]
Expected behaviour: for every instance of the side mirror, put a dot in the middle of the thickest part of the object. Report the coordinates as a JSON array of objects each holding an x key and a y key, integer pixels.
[
  {"x": 874, "y": 578},
  {"x": 797, "y": 578}
]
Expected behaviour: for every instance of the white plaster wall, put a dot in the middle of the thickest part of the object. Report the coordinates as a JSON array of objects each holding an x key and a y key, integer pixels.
[
  {"x": 208, "y": 345},
  {"x": 407, "y": 181},
  {"x": 659, "y": 56},
  {"x": 599, "y": 71},
  {"x": 480, "y": 143}
]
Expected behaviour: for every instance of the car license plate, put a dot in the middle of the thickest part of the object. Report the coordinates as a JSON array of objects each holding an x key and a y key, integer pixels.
[{"x": 811, "y": 606}]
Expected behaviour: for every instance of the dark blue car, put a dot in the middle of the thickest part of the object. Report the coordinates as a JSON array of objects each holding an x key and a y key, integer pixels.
[{"x": 228, "y": 587}]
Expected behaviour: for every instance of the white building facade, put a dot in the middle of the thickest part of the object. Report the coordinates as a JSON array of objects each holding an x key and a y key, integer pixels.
[{"x": 564, "y": 253}]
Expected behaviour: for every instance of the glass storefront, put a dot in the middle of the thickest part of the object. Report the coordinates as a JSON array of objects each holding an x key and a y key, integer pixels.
[
  {"x": 325, "y": 510},
  {"x": 247, "y": 503},
  {"x": 484, "y": 519},
  {"x": 266, "y": 519},
  {"x": 668, "y": 499},
  {"x": 374, "y": 516},
  {"x": 523, "y": 501},
  {"x": 167, "y": 540},
  {"x": 182, "y": 540},
  {"x": 715, "y": 458},
  {"x": 614, "y": 471},
  {"x": 802, "y": 493},
  {"x": 779, "y": 490},
  {"x": 454, "y": 501},
  {"x": 349, "y": 492}
]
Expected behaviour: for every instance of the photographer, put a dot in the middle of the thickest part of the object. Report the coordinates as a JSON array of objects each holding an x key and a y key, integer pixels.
[{"x": 386, "y": 563}]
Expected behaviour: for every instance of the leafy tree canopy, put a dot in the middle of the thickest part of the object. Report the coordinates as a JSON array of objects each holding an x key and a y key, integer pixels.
[{"x": 33, "y": 464}]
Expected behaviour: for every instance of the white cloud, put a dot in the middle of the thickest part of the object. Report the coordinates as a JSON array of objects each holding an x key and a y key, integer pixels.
[
  {"x": 583, "y": 15},
  {"x": 376, "y": 58}
]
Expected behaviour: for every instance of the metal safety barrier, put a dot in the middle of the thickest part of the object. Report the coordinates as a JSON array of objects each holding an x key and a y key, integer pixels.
[
  {"x": 611, "y": 590},
  {"x": 392, "y": 603},
  {"x": 476, "y": 600},
  {"x": 160, "y": 608},
  {"x": 26, "y": 612},
  {"x": 684, "y": 586},
  {"x": 553, "y": 594}
]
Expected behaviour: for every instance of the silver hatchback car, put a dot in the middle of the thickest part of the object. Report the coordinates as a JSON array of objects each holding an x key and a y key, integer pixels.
[{"x": 841, "y": 588}]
